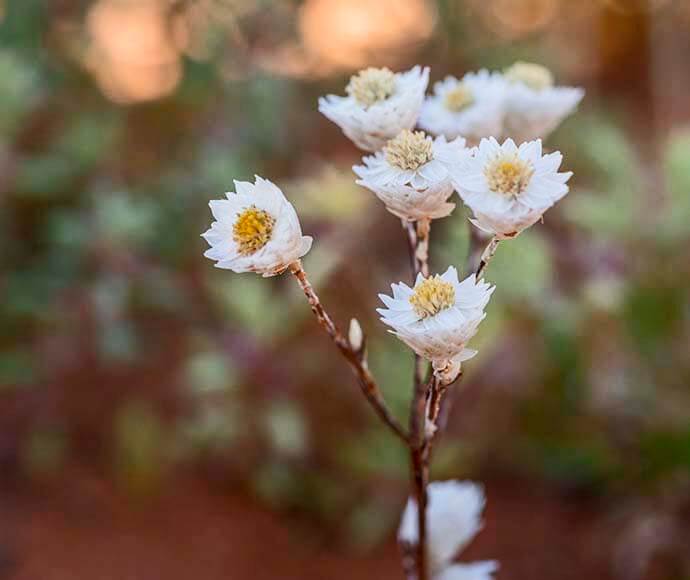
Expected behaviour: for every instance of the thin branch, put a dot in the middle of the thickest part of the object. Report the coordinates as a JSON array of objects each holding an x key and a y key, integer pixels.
[
  {"x": 418, "y": 245},
  {"x": 356, "y": 359}
]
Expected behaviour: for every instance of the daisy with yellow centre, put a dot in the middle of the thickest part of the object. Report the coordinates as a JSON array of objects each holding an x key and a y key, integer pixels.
[
  {"x": 371, "y": 85},
  {"x": 256, "y": 229},
  {"x": 411, "y": 174},
  {"x": 409, "y": 150},
  {"x": 508, "y": 174},
  {"x": 252, "y": 230},
  {"x": 438, "y": 316},
  {"x": 459, "y": 98},
  {"x": 432, "y": 296},
  {"x": 508, "y": 188},
  {"x": 378, "y": 105},
  {"x": 534, "y": 105},
  {"x": 471, "y": 107},
  {"x": 535, "y": 76}
]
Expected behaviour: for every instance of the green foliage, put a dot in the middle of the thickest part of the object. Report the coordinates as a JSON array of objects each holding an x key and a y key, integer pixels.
[{"x": 676, "y": 218}]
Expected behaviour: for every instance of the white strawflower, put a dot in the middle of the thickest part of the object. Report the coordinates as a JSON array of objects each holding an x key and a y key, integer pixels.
[
  {"x": 476, "y": 571},
  {"x": 534, "y": 106},
  {"x": 438, "y": 316},
  {"x": 379, "y": 104},
  {"x": 256, "y": 230},
  {"x": 471, "y": 107},
  {"x": 453, "y": 519},
  {"x": 410, "y": 175},
  {"x": 508, "y": 188}
]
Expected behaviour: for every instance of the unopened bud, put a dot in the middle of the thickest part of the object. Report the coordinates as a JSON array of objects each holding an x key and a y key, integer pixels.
[{"x": 355, "y": 335}]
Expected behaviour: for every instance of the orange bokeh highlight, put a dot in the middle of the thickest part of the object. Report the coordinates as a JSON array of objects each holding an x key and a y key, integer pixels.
[{"x": 132, "y": 53}]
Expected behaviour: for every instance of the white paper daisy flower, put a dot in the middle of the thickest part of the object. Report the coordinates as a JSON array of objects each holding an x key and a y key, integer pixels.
[
  {"x": 379, "y": 104},
  {"x": 534, "y": 106},
  {"x": 471, "y": 107},
  {"x": 410, "y": 175},
  {"x": 508, "y": 188},
  {"x": 256, "y": 230},
  {"x": 453, "y": 518},
  {"x": 438, "y": 316}
]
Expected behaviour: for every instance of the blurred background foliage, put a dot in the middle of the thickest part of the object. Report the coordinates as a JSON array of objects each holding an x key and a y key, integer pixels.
[{"x": 126, "y": 354}]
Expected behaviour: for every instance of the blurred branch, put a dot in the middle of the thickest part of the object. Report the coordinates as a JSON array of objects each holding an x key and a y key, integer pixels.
[{"x": 355, "y": 355}]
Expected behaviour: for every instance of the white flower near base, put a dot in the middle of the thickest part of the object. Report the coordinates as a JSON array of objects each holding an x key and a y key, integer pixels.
[
  {"x": 437, "y": 317},
  {"x": 411, "y": 176},
  {"x": 453, "y": 519},
  {"x": 379, "y": 104},
  {"x": 256, "y": 230},
  {"x": 471, "y": 107},
  {"x": 534, "y": 106},
  {"x": 508, "y": 188}
]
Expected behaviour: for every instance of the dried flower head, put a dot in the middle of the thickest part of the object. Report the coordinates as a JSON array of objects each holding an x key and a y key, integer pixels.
[
  {"x": 438, "y": 316},
  {"x": 508, "y": 188},
  {"x": 471, "y": 107},
  {"x": 379, "y": 104},
  {"x": 411, "y": 174},
  {"x": 256, "y": 230}
]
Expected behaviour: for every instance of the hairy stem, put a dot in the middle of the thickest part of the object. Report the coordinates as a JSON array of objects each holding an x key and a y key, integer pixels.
[{"x": 357, "y": 361}]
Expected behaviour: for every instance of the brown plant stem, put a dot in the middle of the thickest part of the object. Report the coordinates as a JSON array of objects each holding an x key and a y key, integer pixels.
[
  {"x": 487, "y": 254},
  {"x": 418, "y": 244},
  {"x": 356, "y": 359}
]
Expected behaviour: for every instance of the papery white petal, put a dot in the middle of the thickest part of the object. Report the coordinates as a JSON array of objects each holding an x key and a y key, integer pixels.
[
  {"x": 453, "y": 514},
  {"x": 475, "y": 571}
]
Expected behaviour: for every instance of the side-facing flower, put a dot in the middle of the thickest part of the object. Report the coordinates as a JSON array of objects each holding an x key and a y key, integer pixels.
[
  {"x": 256, "y": 230},
  {"x": 410, "y": 175},
  {"x": 471, "y": 107},
  {"x": 453, "y": 519},
  {"x": 438, "y": 316},
  {"x": 534, "y": 106},
  {"x": 508, "y": 188},
  {"x": 379, "y": 104}
]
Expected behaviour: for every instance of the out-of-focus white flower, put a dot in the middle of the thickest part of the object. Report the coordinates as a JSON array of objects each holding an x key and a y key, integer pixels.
[
  {"x": 256, "y": 230},
  {"x": 438, "y": 316},
  {"x": 410, "y": 176},
  {"x": 534, "y": 106},
  {"x": 453, "y": 519},
  {"x": 476, "y": 571},
  {"x": 471, "y": 107},
  {"x": 379, "y": 104},
  {"x": 508, "y": 187}
]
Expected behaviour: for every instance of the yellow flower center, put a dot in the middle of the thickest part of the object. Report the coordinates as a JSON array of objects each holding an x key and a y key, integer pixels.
[
  {"x": 252, "y": 230},
  {"x": 535, "y": 76},
  {"x": 458, "y": 98},
  {"x": 371, "y": 85},
  {"x": 432, "y": 296},
  {"x": 508, "y": 174},
  {"x": 409, "y": 150}
]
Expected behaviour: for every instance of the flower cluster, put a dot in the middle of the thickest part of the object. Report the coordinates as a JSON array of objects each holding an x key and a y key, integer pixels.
[
  {"x": 521, "y": 102},
  {"x": 415, "y": 173}
]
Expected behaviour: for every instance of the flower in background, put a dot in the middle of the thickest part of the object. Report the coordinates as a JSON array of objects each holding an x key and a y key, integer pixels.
[
  {"x": 256, "y": 230},
  {"x": 379, "y": 104},
  {"x": 453, "y": 520},
  {"x": 438, "y": 316},
  {"x": 471, "y": 107},
  {"x": 508, "y": 188},
  {"x": 534, "y": 106},
  {"x": 410, "y": 175}
]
